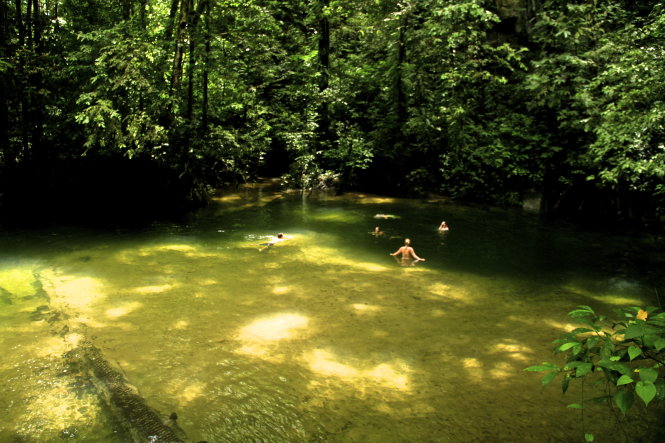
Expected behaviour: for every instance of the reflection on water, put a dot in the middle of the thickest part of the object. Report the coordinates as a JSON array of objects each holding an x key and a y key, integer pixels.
[{"x": 321, "y": 337}]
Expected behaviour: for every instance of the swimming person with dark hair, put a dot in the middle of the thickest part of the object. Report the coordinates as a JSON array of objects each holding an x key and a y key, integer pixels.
[
  {"x": 279, "y": 238},
  {"x": 409, "y": 256}
]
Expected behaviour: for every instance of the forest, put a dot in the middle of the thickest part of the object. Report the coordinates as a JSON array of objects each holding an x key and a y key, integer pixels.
[{"x": 141, "y": 105}]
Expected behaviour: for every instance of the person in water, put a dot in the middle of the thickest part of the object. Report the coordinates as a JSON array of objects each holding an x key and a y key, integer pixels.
[
  {"x": 277, "y": 239},
  {"x": 409, "y": 256},
  {"x": 443, "y": 227},
  {"x": 377, "y": 232}
]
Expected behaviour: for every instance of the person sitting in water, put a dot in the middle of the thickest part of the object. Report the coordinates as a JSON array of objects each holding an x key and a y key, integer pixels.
[
  {"x": 279, "y": 238},
  {"x": 377, "y": 232},
  {"x": 443, "y": 227},
  {"x": 409, "y": 256}
]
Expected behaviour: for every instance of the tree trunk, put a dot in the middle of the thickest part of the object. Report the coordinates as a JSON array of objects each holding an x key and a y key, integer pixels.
[
  {"x": 37, "y": 30},
  {"x": 142, "y": 13},
  {"x": 19, "y": 24},
  {"x": 28, "y": 22},
  {"x": 206, "y": 66},
  {"x": 190, "y": 80},
  {"x": 398, "y": 86},
  {"x": 56, "y": 21},
  {"x": 176, "y": 74},
  {"x": 35, "y": 101},
  {"x": 6, "y": 157},
  {"x": 126, "y": 6},
  {"x": 324, "y": 73}
]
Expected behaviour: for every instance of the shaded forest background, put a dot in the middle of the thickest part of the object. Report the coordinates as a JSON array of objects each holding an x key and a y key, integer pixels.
[{"x": 133, "y": 106}]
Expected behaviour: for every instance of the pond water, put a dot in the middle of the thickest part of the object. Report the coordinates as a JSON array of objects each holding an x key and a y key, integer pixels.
[{"x": 322, "y": 337}]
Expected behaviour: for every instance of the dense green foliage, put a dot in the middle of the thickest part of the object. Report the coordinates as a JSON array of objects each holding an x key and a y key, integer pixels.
[
  {"x": 629, "y": 353},
  {"x": 477, "y": 99}
]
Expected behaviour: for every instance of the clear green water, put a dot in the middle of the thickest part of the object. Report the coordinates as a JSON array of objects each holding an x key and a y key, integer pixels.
[{"x": 323, "y": 337}]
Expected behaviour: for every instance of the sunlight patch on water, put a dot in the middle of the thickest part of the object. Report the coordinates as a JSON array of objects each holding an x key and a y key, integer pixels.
[
  {"x": 372, "y": 267},
  {"x": 368, "y": 199},
  {"x": 56, "y": 408},
  {"x": 337, "y": 216},
  {"x": 362, "y": 308},
  {"x": 330, "y": 256},
  {"x": 121, "y": 311},
  {"x": 138, "y": 255},
  {"x": 236, "y": 202},
  {"x": 566, "y": 327},
  {"x": 447, "y": 291},
  {"x": 169, "y": 247},
  {"x": 388, "y": 375},
  {"x": 19, "y": 281},
  {"x": 184, "y": 249},
  {"x": 474, "y": 367},
  {"x": 618, "y": 300},
  {"x": 276, "y": 327},
  {"x": 181, "y": 325},
  {"x": 616, "y": 294},
  {"x": 514, "y": 351},
  {"x": 191, "y": 392},
  {"x": 77, "y": 292},
  {"x": 48, "y": 347},
  {"x": 259, "y": 337},
  {"x": 502, "y": 370},
  {"x": 154, "y": 289}
]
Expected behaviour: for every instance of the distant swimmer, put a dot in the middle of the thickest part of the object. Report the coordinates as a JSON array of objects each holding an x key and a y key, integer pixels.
[
  {"x": 443, "y": 227},
  {"x": 277, "y": 239},
  {"x": 409, "y": 256},
  {"x": 386, "y": 216},
  {"x": 377, "y": 232}
]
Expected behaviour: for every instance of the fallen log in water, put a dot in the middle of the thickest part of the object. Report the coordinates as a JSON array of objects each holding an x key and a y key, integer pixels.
[{"x": 140, "y": 422}]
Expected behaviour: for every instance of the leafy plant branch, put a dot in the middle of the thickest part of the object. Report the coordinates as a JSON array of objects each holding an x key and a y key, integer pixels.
[{"x": 629, "y": 353}]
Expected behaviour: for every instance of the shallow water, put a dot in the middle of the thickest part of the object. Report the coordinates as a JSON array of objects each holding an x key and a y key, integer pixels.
[{"x": 323, "y": 337}]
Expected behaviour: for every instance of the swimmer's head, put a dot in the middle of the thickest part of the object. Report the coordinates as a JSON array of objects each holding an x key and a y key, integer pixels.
[
  {"x": 280, "y": 235},
  {"x": 407, "y": 241}
]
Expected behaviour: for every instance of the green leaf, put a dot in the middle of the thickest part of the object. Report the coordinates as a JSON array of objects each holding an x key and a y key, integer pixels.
[
  {"x": 660, "y": 389},
  {"x": 634, "y": 330},
  {"x": 581, "y": 311},
  {"x": 565, "y": 382},
  {"x": 659, "y": 343},
  {"x": 624, "y": 400},
  {"x": 583, "y": 369},
  {"x": 646, "y": 390},
  {"x": 547, "y": 379},
  {"x": 575, "y": 406},
  {"x": 606, "y": 349},
  {"x": 591, "y": 342},
  {"x": 624, "y": 380},
  {"x": 542, "y": 367},
  {"x": 566, "y": 346},
  {"x": 648, "y": 374},
  {"x": 649, "y": 339},
  {"x": 633, "y": 352},
  {"x": 618, "y": 367},
  {"x": 588, "y": 437}
]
